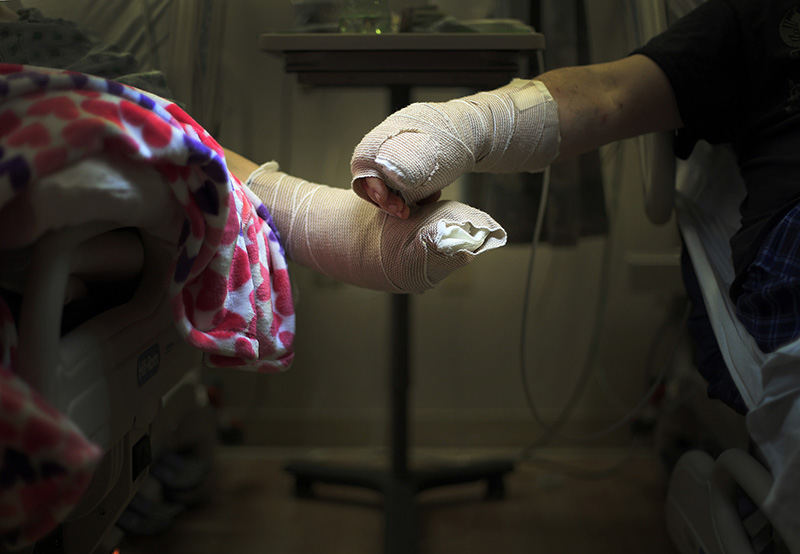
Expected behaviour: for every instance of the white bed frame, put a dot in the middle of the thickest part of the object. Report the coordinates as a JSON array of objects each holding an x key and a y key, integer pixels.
[
  {"x": 704, "y": 193},
  {"x": 124, "y": 377},
  {"x": 113, "y": 375}
]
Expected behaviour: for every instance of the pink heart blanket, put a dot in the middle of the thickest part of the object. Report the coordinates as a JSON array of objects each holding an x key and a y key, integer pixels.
[{"x": 229, "y": 288}]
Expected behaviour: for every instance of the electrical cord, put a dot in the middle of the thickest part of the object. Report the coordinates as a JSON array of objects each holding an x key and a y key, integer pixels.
[
  {"x": 574, "y": 471},
  {"x": 590, "y": 474},
  {"x": 601, "y": 376},
  {"x": 551, "y": 429}
]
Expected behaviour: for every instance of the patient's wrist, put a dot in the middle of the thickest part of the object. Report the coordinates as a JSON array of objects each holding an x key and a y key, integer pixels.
[
  {"x": 334, "y": 232},
  {"x": 239, "y": 166}
]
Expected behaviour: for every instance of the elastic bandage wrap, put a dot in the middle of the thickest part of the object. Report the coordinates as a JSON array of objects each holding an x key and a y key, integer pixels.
[
  {"x": 334, "y": 232},
  {"x": 426, "y": 146}
]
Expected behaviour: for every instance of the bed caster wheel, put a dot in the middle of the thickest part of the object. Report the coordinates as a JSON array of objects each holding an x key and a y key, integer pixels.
[
  {"x": 495, "y": 488},
  {"x": 302, "y": 488}
]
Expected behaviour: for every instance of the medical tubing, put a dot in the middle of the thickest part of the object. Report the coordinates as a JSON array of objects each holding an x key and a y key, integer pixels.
[
  {"x": 647, "y": 395},
  {"x": 578, "y": 472},
  {"x": 601, "y": 375},
  {"x": 551, "y": 429},
  {"x": 537, "y": 231}
]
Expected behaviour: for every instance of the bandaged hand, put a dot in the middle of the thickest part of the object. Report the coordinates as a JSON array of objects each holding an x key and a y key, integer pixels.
[
  {"x": 419, "y": 150},
  {"x": 334, "y": 232}
]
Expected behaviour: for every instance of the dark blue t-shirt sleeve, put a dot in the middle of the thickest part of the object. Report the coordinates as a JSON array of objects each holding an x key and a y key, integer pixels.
[{"x": 701, "y": 55}]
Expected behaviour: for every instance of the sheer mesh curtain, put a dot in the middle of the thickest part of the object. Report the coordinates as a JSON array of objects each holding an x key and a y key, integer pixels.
[
  {"x": 135, "y": 26},
  {"x": 195, "y": 42},
  {"x": 182, "y": 38},
  {"x": 576, "y": 203}
]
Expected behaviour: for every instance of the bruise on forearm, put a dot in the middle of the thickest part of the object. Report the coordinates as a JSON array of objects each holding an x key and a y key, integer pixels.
[
  {"x": 585, "y": 108},
  {"x": 602, "y": 103}
]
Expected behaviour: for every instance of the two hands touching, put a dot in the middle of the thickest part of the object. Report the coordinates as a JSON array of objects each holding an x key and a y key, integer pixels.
[
  {"x": 390, "y": 202},
  {"x": 411, "y": 242},
  {"x": 523, "y": 126},
  {"x": 412, "y": 155},
  {"x": 388, "y": 233}
]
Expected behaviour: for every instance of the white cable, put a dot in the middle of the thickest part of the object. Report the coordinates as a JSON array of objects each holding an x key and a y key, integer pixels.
[{"x": 551, "y": 429}]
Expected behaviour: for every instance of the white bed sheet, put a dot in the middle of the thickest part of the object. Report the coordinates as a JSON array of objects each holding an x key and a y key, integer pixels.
[{"x": 709, "y": 193}]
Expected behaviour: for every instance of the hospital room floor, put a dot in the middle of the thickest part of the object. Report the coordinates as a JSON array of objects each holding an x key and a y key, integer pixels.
[{"x": 253, "y": 509}]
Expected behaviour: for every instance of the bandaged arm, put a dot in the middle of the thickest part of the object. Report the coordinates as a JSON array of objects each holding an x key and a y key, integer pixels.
[
  {"x": 523, "y": 126},
  {"x": 332, "y": 231}
]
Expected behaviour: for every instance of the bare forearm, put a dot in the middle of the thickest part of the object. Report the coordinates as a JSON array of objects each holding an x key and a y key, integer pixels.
[
  {"x": 601, "y": 103},
  {"x": 424, "y": 147},
  {"x": 240, "y": 166}
]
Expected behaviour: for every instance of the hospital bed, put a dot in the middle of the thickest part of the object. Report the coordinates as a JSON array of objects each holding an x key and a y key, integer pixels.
[
  {"x": 116, "y": 373},
  {"x": 704, "y": 502},
  {"x": 746, "y": 499},
  {"x": 96, "y": 333}
]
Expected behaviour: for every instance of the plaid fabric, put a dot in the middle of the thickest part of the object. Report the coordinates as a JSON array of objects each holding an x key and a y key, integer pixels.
[{"x": 768, "y": 300}]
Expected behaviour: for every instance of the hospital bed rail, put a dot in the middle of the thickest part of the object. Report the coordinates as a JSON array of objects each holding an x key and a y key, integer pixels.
[{"x": 111, "y": 374}]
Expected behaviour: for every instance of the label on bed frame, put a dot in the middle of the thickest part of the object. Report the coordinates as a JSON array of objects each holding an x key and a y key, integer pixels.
[{"x": 148, "y": 363}]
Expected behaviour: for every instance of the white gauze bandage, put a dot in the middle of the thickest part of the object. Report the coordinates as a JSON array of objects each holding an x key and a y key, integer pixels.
[
  {"x": 334, "y": 232},
  {"x": 426, "y": 146}
]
